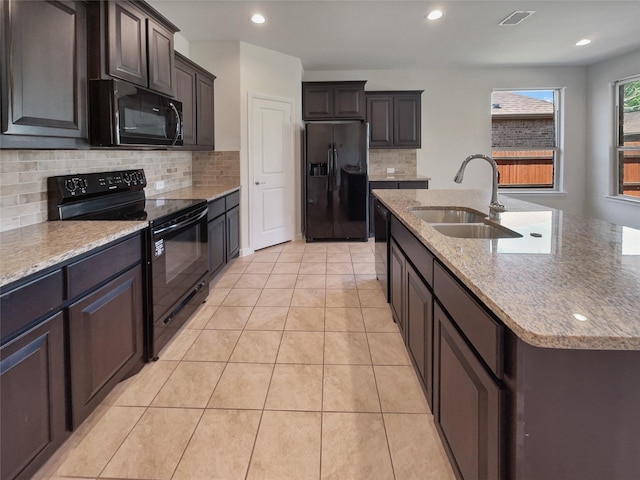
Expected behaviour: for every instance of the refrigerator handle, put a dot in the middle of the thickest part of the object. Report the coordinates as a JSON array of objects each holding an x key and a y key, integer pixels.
[
  {"x": 335, "y": 164},
  {"x": 329, "y": 168}
]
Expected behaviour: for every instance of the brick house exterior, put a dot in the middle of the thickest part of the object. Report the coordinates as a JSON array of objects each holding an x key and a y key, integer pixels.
[{"x": 519, "y": 121}]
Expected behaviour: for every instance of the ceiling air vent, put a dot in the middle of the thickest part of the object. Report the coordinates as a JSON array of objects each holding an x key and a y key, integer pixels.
[{"x": 516, "y": 17}]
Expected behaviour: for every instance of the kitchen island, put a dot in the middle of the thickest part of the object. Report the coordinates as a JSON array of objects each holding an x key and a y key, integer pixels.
[{"x": 530, "y": 346}]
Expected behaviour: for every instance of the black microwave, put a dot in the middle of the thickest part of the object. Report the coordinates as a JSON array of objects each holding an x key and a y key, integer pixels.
[{"x": 121, "y": 113}]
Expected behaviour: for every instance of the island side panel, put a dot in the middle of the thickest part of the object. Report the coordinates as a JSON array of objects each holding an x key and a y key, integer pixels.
[{"x": 574, "y": 413}]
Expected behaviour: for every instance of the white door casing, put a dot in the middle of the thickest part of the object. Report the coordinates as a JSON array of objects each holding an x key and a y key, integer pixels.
[{"x": 271, "y": 159}]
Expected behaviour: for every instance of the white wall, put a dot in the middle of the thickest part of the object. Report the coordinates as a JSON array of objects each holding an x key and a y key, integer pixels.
[
  {"x": 223, "y": 60},
  {"x": 181, "y": 44},
  {"x": 456, "y": 120},
  {"x": 601, "y": 130},
  {"x": 242, "y": 69},
  {"x": 274, "y": 74}
]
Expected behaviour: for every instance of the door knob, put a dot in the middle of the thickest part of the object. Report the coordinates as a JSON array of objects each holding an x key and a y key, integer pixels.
[{"x": 259, "y": 183}]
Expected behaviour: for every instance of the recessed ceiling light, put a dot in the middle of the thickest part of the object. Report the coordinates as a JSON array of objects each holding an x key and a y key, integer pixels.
[
  {"x": 583, "y": 42},
  {"x": 434, "y": 15},
  {"x": 258, "y": 18}
]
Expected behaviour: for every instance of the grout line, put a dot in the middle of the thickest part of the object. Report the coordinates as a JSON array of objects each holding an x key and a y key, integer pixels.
[
  {"x": 382, "y": 412},
  {"x": 324, "y": 342},
  {"x": 255, "y": 440},
  {"x": 187, "y": 445}
]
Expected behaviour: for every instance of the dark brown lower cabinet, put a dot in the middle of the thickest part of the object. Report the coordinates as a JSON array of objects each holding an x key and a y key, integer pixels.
[
  {"x": 105, "y": 339},
  {"x": 217, "y": 233},
  {"x": 391, "y": 185},
  {"x": 397, "y": 273},
  {"x": 223, "y": 231},
  {"x": 233, "y": 233},
  {"x": 419, "y": 314},
  {"x": 33, "y": 398},
  {"x": 468, "y": 405}
]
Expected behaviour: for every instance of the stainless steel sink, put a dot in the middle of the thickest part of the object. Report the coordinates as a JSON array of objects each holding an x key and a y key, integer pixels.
[
  {"x": 475, "y": 230},
  {"x": 447, "y": 215}
]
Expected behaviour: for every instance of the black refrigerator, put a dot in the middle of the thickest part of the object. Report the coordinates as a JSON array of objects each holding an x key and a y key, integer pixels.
[{"x": 336, "y": 181}]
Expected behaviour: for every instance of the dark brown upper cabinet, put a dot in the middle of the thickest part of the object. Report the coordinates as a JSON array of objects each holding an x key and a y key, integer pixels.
[
  {"x": 394, "y": 119},
  {"x": 132, "y": 41},
  {"x": 194, "y": 88},
  {"x": 43, "y": 74},
  {"x": 333, "y": 100}
]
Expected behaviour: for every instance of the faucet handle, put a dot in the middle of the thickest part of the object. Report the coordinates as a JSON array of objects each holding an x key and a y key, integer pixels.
[{"x": 497, "y": 207}]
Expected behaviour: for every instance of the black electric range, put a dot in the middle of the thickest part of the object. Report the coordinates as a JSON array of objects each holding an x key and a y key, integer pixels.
[
  {"x": 176, "y": 254},
  {"x": 110, "y": 196}
]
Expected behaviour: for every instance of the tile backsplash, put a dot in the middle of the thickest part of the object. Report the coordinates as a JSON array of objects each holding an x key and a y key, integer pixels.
[
  {"x": 403, "y": 161},
  {"x": 23, "y": 176},
  {"x": 216, "y": 168}
]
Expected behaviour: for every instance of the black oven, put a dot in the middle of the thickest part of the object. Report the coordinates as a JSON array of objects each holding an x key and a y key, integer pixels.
[
  {"x": 176, "y": 252},
  {"x": 179, "y": 258},
  {"x": 121, "y": 113}
]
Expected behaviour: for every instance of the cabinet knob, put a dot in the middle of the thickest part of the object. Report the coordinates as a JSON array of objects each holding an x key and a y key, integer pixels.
[{"x": 259, "y": 183}]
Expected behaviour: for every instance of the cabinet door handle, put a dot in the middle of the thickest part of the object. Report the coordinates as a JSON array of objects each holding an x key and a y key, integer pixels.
[{"x": 178, "y": 123}]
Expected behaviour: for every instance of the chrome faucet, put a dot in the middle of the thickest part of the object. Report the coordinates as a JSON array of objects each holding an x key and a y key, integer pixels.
[{"x": 495, "y": 207}]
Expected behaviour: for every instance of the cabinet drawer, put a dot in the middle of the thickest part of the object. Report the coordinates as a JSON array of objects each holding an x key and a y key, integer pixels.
[
  {"x": 90, "y": 271},
  {"x": 383, "y": 184},
  {"x": 23, "y": 305},
  {"x": 484, "y": 333},
  {"x": 233, "y": 200},
  {"x": 216, "y": 208},
  {"x": 413, "y": 184},
  {"x": 417, "y": 253}
]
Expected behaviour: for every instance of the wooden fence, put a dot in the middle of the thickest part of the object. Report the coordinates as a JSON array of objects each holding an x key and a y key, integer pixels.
[
  {"x": 525, "y": 168},
  {"x": 534, "y": 168}
]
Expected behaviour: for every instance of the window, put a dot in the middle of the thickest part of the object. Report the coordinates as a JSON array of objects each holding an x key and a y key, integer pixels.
[
  {"x": 524, "y": 137},
  {"x": 628, "y": 137}
]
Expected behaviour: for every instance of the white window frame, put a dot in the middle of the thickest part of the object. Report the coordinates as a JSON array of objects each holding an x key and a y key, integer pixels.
[
  {"x": 617, "y": 148},
  {"x": 558, "y": 157}
]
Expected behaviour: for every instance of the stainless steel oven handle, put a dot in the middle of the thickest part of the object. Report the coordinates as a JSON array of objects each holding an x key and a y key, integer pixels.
[
  {"x": 186, "y": 222},
  {"x": 178, "y": 123}
]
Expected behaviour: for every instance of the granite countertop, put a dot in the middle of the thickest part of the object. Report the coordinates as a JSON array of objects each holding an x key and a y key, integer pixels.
[
  {"x": 27, "y": 250},
  {"x": 395, "y": 177},
  {"x": 208, "y": 193},
  {"x": 577, "y": 286}
]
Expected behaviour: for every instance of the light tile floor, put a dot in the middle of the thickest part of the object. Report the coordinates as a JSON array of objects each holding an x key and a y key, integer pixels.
[{"x": 292, "y": 369}]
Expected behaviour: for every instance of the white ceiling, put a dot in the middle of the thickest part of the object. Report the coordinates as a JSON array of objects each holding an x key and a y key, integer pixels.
[{"x": 363, "y": 34}]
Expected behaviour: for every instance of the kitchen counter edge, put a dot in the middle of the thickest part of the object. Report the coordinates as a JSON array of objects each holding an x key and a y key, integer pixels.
[
  {"x": 28, "y": 250},
  {"x": 208, "y": 193},
  {"x": 534, "y": 322}
]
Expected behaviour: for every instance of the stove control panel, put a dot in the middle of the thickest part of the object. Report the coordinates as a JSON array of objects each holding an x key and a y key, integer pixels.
[{"x": 85, "y": 184}]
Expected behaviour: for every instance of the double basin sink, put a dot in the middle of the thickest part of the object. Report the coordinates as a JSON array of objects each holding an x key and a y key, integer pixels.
[{"x": 461, "y": 222}]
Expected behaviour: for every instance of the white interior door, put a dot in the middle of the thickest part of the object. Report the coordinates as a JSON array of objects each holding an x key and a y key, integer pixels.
[{"x": 271, "y": 158}]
